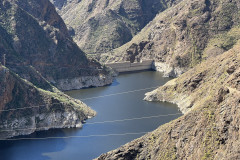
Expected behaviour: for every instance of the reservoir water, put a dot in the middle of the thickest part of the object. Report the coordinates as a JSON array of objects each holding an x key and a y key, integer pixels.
[{"x": 123, "y": 102}]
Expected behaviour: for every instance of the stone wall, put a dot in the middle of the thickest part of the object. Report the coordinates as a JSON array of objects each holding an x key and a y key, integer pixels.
[{"x": 129, "y": 67}]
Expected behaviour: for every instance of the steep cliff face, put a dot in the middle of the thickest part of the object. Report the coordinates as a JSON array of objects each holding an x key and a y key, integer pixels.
[
  {"x": 99, "y": 26},
  {"x": 209, "y": 95},
  {"x": 24, "y": 108},
  {"x": 35, "y": 39},
  {"x": 184, "y": 35},
  {"x": 39, "y": 54}
]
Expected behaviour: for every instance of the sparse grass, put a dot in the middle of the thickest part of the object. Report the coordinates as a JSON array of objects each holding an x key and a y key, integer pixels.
[{"x": 224, "y": 41}]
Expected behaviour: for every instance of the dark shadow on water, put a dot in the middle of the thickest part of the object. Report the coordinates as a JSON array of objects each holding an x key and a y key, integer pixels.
[
  {"x": 34, "y": 149},
  {"x": 114, "y": 83},
  {"x": 109, "y": 108},
  {"x": 131, "y": 72}
]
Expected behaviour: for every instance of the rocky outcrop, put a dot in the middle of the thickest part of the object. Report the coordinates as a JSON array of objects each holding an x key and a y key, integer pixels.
[
  {"x": 99, "y": 26},
  {"x": 84, "y": 82},
  {"x": 24, "y": 108},
  {"x": 35, "y": 39},
  {"x": 209, "y": 95},
  {"x": 167, "y": 69},
  {"x": 184, "y": 35}
]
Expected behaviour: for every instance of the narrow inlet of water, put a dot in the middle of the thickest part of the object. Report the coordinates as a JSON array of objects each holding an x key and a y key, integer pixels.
[{"x": 124, "y": 101}]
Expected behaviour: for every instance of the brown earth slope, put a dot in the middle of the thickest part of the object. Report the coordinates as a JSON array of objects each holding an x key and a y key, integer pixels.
[{"x": 209, "y": 95}]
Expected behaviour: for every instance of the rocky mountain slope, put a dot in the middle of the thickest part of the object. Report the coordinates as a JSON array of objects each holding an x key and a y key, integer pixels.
[
  {"x": 184, "y": 35},
  {"x": 209, "y": 95},
  {"x": 39, "y": 54},
  {"x": 34, "y": 37},
  {"x": 99, "y": 26},
  {"x": 24, "y": 108}
]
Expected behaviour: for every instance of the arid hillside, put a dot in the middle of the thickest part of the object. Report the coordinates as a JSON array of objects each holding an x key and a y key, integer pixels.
[
  {"x": 209, "y": 95},
  {"x": 98, "y": 26},
  {"x": 183, "y": 36}
]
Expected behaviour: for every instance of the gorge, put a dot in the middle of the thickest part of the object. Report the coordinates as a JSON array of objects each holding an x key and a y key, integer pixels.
[
  {"x": 116, "y": 107},
  {"x": 196, "y": 42}
]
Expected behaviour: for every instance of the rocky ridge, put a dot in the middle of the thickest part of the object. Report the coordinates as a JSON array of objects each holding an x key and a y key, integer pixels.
[
  {"x": 35, "y": 39},
  {"x": 40, "y": 56},
  {"x": 209, "y": 95},
  {"x": 98, "y": 26}
]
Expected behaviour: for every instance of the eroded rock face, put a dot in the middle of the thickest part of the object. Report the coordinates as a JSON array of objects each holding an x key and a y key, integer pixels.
[
  {"x": 82, "y": 82},
  {"x": 209, "y": 95},
  {"x": 35, "y": 39},
  {"x": 184, "y": 35},
  {"x": 39, "y": 54},
  {"x": 167, "y": 69},
  {"x": 102, "y": 25},
  {"x": 44, "y": 109}
]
